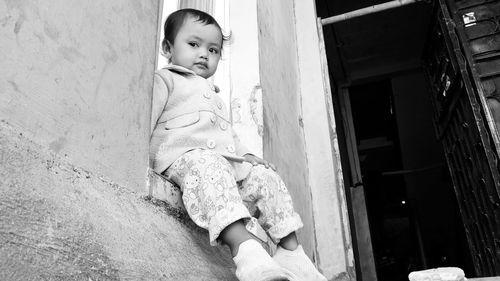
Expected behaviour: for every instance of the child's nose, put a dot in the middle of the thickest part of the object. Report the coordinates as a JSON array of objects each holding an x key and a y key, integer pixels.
[{"x": 203, "y": 53}]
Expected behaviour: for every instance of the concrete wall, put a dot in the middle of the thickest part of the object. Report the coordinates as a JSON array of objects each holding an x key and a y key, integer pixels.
[
  {"x": 243, "y": 58},
  {"x": 331, "y": 222},
  {"x": 76, "y": 96},
  {"x": 283, "y": 133},
  {"x": 299, "y": 130},
  {"x": 74, "y": 136},
  {"x": 61, "y": 222},
  {"x": 77, "y": 78}
]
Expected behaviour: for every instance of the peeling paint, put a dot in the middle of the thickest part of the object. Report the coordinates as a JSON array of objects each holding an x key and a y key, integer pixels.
[
  {"x": 5, "y": 20},
  {"x": 345, "y": 276},
  {"x": 14, "y": 4},
  {"x": 51, "y": 31},
  {"x": 40, "y": 37},
  {"x": 70, "y": 53},
  {"x": 111, "y": 56},
  {"x": 58, "y": 144},
  {"x": 19, "y": 23},
  {"x": 14, "y": 86},
  {"x": 139, "y": 10}
]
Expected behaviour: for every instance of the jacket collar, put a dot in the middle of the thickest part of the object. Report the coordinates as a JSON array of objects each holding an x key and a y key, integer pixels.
[
  {"x": 183, "y": 70},
  {"x": 178, "y": 68}
]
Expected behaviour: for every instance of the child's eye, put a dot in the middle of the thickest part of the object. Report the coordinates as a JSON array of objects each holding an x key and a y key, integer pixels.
[
  {"x": 213, "y": 50},
  {"x": 193, "y": 44}
]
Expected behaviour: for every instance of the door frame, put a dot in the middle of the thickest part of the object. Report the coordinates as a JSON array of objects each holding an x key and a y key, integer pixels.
[{"x": 358, "y": 210}]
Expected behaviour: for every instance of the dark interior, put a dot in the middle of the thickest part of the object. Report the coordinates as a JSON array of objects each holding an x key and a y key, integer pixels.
[{"x": 414, "y": 220}]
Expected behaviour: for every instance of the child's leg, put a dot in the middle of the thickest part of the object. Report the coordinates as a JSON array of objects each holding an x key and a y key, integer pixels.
[
  {"x": 298, "y": 263},
  {"x": 264, "y": 188},
  {"x": 233, "y": 235},
  {"x": 209, "y": 191},
  {"x": 289, "y": 242},
  {"x": 213, "y": 202}
]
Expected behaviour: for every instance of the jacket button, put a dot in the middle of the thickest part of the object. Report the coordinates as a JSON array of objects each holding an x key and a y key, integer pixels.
[
  {"x": 230, "y": 148},
  {"x": 223, "y": 125},
  {"x": 213, "y": 118},
  {"x": 219, "y": 105},
  {"x": 207, "y": 95},
  {"x": 211, "y": 144}
]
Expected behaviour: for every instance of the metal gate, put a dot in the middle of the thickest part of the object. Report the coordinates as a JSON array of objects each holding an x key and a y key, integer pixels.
[{"x": 462, "y": 63}]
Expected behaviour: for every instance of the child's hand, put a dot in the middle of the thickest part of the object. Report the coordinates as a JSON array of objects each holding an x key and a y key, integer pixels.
[{"x": 254, "y": 160}]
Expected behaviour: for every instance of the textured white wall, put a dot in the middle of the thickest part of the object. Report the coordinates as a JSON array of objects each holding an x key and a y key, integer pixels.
[
  {"x": 333, "y": 238},
  {"x": 299, "y": 130},
  {"x": 74, "y": 135},
  {"x": 243, "y": 60},
  {"x": 77, "y": 77},
  {"x": 169, "y": 6},
  {"x": 283, "y": 132}
]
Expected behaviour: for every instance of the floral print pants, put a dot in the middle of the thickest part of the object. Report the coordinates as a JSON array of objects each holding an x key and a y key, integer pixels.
[{"x": 214, "y": 199}]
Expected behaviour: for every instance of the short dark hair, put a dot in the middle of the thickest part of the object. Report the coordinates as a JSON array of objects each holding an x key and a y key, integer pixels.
[{"x": 176, "y": 19}]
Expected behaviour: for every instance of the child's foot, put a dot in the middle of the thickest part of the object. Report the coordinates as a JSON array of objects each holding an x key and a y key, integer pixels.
[
  {"x": 298, "y": 263},
  {"x": 253, "y": 263}
]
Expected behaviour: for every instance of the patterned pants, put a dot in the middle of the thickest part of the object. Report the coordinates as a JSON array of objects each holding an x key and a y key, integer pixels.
[{"x": 214, "y": 200}]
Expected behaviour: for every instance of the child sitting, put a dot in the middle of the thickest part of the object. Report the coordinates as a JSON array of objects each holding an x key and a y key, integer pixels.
[{"x": 193, "y": 144}]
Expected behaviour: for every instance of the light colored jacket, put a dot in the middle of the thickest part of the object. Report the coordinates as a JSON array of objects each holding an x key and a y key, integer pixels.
[{"x": 187, "y": 114}]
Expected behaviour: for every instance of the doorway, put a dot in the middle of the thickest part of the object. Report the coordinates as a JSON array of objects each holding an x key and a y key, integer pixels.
[
  {"x": 389, "y": 146},
  {"x": 386, "y": 200},
  {"x": 411, "y": 209}
]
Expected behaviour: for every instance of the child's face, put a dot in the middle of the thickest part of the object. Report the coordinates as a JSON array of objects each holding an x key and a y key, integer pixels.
[{"x": 197, "y": 47}]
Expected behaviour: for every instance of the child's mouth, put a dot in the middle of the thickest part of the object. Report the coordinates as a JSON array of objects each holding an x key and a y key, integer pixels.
[{"x": 202, "y": 65}]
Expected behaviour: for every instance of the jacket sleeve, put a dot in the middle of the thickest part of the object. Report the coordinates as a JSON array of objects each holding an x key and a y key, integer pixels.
[
  {"x": 162, "y": 84},
  {"x": 240, "y": 149}
]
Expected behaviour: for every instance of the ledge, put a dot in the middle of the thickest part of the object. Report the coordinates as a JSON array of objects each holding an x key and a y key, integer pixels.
[
  {"x": 160, "y": 188},
  {"x": 61, "y": 222}
]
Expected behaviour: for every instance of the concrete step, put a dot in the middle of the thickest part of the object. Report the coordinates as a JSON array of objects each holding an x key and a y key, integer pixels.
[{"x": 60, "y": 222}]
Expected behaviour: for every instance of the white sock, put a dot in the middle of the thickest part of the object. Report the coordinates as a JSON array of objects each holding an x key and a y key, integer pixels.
[
  {"x": 298, "y": 263},
  {"x": 253, "y": 263}
]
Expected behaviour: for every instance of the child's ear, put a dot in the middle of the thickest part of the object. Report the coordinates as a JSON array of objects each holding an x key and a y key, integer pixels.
[{"x": 166, "y": 47}]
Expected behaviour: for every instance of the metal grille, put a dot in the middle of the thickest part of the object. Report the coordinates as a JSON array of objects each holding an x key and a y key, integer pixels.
[
  {"x": 467, "y": 140},
  {"x": 474, "y": 186}
]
